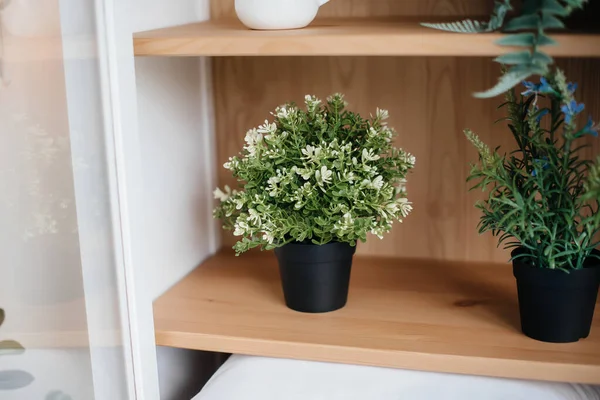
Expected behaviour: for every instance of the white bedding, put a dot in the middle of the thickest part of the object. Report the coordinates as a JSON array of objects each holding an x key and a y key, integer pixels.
[{"x": 261, "y": 378}]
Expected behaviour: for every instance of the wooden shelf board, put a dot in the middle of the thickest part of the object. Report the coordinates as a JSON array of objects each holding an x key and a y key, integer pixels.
[
  {"x": 402, "y": 313},
  {"x": 338, "y": 37}
]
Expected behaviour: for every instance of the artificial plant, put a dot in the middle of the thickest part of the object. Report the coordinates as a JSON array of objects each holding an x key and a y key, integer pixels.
[
  {"x": 12, "y": 379},
  {"x": 17, "y": 379},
  {"x": 530, "y": 33},
  {"x": 317, "y": 175},
  {"x": 544, "y": 197}
]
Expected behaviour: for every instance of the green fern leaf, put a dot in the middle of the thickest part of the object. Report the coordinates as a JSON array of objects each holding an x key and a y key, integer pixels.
[
  {"x": 551, "y": 22},
  {"x": 575, "y": 3},
  {"x": 465, "y": 26},
  {"x": 501, "y": 8},
  {"x": 520, "y": 39},
  {"x": 523, "y": 22},
  {"x": 521, "y": 57},
  {"x": 498, "y": 15},
  {"x": 545, "y": 40},
  {"x": 541, "y": 58},
  {"x": 505, "y": 83},
  {"x": 554, "y": 7}
]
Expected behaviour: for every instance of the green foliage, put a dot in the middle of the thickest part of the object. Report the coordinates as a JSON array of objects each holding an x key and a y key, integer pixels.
[
  {"x": 539, "y": 196},
  {"x": 536, "y": 18},
  {"x": 320, "y": 175},
  {"x": 12, "y": 379},
  {"x": 501, "y": 8}
]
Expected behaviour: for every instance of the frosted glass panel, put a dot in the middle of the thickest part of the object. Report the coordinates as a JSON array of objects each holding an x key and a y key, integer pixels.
[{"x": 59, "y": 283}]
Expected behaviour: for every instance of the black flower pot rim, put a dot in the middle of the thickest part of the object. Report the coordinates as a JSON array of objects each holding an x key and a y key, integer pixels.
[
  {"x": 307, "y": 253},
  {"x": 586, "y": 276}
]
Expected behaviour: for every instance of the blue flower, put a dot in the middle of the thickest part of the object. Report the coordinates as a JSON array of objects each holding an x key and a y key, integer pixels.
[
  {"x": 571, "y": 87},
  {"x": 531, "y": 87},
  {"x": 544, "y": 87},
  {"x": 538, "y": 161},
  {"x": 571, "y": 110},
  {"x": 590, "y": 129}
]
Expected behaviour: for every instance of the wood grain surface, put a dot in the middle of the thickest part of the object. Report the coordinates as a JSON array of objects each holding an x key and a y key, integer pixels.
[
  {"x": 403, "y": 313},
  {"x": 339, "y": 37},
  {"x": 430, "y": 102},
  {"x": 374, "y": 8}
]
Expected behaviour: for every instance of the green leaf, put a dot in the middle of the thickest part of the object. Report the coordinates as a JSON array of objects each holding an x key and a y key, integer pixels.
[
  {"x": 551, "y": 22},
  {"x": 501, "y": 7},
  {"x": 520, "y": 39},
  {"x": 465, "y": 26},
  {"x": 14, "y": 379},
  {"x": 11, "y": 347},
  {"x": 522, "y": 57},
  {"x": 522, "y": 22},
  {"x": 505, "y": 83},
  {"x": 575, "y": 3},
  {"x": 531, "y": 69},
  {"x": 554, "y": 7},
  {"x": 544, "y": 40},
  {"x": 542, "y": 58}
]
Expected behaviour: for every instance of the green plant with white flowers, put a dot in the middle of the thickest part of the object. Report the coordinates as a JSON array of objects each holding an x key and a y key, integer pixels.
[
  {"x": 318, "y": 175},
  {"x": 543, "y": 197},
  {"x": 528, "y": 30}
]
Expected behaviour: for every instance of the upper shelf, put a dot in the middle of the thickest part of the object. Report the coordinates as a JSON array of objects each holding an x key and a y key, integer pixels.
[
  {"x": 338, "y": 37},
  {"x": 414, "y": 314}
]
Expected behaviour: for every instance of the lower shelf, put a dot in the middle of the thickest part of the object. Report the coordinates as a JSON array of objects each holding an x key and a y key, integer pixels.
[{"x": 414, "y": 314}]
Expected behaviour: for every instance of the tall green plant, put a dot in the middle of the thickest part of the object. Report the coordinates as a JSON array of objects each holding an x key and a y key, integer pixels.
[
  {"x": 537, "y": 16},
  {"x": 543, "y": 196}
]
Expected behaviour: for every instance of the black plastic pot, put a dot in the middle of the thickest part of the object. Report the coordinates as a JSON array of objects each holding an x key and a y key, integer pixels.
[
  {"x": 315, "y": 278},
  {"x": 555, "y": 306}
]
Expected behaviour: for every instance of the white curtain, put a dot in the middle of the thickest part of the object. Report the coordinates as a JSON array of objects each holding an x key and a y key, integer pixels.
[{"x": 58, "y": 279}]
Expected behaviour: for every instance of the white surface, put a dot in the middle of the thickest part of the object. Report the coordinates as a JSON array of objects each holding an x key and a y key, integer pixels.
[
  {"x": 91, "y": 130},
  {"x": 149, "y": 215},
  {"x": 175, "y": 152},
  {"x": 277, "y": 14},
  {"x": 53, "y": 370},
  {"x": 260, "y": 378}
]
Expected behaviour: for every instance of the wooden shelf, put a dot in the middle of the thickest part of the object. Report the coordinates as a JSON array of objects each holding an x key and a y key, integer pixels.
[
  {"x": 413, "y": 314},
  {"x": 338, "y": 37}
]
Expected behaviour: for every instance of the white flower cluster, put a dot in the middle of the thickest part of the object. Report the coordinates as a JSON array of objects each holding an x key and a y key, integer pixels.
[{"x": 306, "y": 175}]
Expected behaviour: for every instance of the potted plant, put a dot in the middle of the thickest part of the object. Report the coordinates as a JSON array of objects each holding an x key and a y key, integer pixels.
[
  {"x": 313, "y": 183},
  {"x": 543, "y": 204}
]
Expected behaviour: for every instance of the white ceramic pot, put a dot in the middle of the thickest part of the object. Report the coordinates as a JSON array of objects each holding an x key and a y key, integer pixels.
[{"x": 277, "y": 14}]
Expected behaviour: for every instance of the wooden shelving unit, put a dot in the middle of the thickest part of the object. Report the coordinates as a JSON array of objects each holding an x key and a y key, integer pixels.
[
  {"x": 338, "y": 37},
  {"x": 436, "y": 314},
  {"x": 416, "y": 314}
]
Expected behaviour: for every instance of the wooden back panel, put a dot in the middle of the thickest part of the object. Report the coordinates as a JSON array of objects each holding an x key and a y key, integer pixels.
[
  {"x": 372, "y": 8},
  {"x": 430, "y": 101},
  {"x": 430, "y": 104}
]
